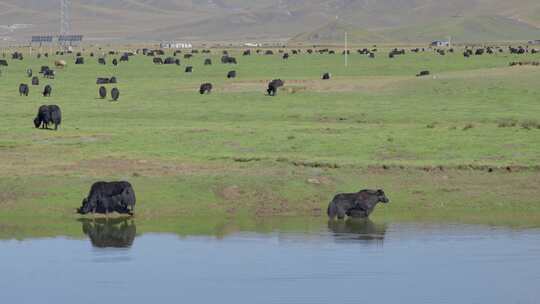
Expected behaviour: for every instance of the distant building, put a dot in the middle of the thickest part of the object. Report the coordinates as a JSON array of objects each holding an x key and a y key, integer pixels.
[
  {"x": 440, "y": 43},
  {"x": 175, "y": 45}
]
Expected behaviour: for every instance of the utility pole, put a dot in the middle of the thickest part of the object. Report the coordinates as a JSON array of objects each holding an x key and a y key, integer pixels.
[
  {"x": 65, "y": 17},
  {"x": 346, "y": 51}
]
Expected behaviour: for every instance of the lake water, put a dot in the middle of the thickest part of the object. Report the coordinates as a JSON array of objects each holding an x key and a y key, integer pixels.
[{"x": 342, "y": 262}]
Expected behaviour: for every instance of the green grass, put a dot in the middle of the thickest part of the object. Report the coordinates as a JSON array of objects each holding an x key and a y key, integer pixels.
[{"x": 240, "y": 154}]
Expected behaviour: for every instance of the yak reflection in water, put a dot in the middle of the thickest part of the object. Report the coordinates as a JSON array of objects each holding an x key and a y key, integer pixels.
[
  {"x": 110, "y": 233},
  {"x": 357, "y": 229}
]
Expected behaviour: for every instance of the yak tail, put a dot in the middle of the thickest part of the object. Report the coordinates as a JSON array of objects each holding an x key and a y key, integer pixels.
[{"x": 332, "y": 210}]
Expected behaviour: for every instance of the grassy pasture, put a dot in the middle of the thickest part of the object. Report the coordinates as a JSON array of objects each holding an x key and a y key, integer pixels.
[{"x": 430, "y": 142}]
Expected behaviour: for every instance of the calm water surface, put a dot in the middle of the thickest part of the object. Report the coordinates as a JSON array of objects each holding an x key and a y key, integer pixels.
[{"x": 344, "y": 262}]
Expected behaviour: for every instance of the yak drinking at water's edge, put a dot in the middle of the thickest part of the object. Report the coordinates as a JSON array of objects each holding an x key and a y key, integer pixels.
[
  {"x": 106, "y": 197},
  {"x": 360, "y": 204}
]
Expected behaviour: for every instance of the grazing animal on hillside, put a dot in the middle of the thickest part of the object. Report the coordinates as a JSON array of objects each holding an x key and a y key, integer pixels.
[
  {"x": 102, "y": 92},
  {"x": 360, "y": 204},
  {"x": 23, "y": 89},
  {"x": 49, "y": 74},
  {"x": 102, "y": 61},
  {"x": 187, "y": 56},
  {"x": 47, "y": 91},
  {"x": 125, "y": 57},
  {"x": 3, "y": 62},
  {"x": 208, "y": 61},
  {"x": 60, "y": 64},
  {"x": 273, "y": 86},
  {"x": 102, "y": 80},
  {"x": 79, "y": 60},
  {"x": 29, "y": 72},
  {"x": 285, "y": 56},
  {"x": 106, "y": 197},
  {"x": 169, "y": 60},
  {"x": 157, "y": 60},
  {"x": 228, "y": 59},
  {"x": 231, "y": 74},
  {"x": 188, "y": 69},
  {"x": 115, "y": 62},
  {"x": 47, "y": 115},
  {"x": 326, "y": 76},
  {"x": 422, "y": 73},
  {"x": 35, "y": 81},
  {"x": 115, "y": 94},
  {"x": 43, "y": 69},
  {"x": 205, "y": 88}
]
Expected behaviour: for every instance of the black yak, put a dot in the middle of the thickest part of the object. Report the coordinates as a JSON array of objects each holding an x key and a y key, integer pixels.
[
  {"x": 273, "y": 86},
  {"x": 231, "y": 74},
  {"x": 115, "y": 94},
  {"x": 208, "y": 61},
  {"x": 48, "y": 114},
  {"x": 326, "y": 76},
  {"x": 157, "y": 60},
  {"x": 105, "y": 197},
  {"x": 3, "y": 62},
  {"x": 422, "y": 73},
  {"x": 47, "y": 91},
  {"x": 102, "y": 80},
  {"x": 79, "y": 60},
  {"x": 102, "y": 61},
  {"x": 115, "y": 62},
  {"x": 169, "y": 60},
  {"x": 23, "y": 89},
  {"x": 49, "y": 74},
  {"x": 188, "y": 69},
  {"x": 205, "y": 88},
  {"x": 360, "y": 204},
  {"x": 102, "y": 92},
  {"x": 228, "y": 59},
  {"x": 35, "y": 81}
]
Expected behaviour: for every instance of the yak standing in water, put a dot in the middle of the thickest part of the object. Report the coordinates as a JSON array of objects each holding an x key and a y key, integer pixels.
[
  {"x": 360, "y": 204},
  {"x": 48, "y": 114},
  {"x": 106, "y": 197}
]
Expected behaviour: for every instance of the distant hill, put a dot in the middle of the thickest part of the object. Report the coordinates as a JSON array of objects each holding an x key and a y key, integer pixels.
[{"x": 301, "y": 20}]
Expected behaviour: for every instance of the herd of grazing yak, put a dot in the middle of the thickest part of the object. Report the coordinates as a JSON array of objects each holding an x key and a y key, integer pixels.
[{"x": 106, "y": 197}]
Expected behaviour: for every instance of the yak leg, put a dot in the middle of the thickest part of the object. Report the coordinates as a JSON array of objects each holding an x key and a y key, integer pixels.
[{"x": 340, "y": 213}]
